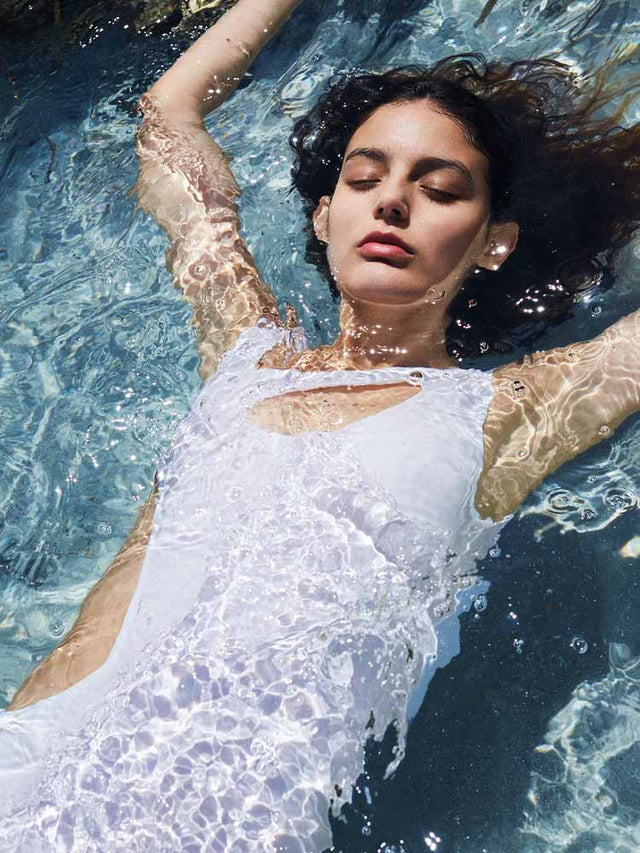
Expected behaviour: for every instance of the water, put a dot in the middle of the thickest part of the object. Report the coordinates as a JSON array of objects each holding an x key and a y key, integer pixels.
[{"x": 99, "y": 365}]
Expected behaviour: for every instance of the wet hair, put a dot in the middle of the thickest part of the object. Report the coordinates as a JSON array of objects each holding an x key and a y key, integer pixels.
[{"x": 560, "y": 165}]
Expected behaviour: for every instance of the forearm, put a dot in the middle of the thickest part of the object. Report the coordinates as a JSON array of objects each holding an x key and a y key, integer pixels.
[
  {"x": 209, "y": 71},
  {"x": 94, "y": 632}
]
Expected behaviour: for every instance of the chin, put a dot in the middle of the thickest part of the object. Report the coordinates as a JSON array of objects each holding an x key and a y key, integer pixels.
[{"x": 382, "y": 292}]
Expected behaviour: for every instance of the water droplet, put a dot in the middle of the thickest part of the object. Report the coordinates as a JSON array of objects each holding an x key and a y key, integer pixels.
[
  {"x": 103, "y": 528},
  {"x": 579, "y": 645},
  {"x": 494, "y": 552},
  {"x": 597, "y": 309},
  {"x": 605, "y": 429},
  {"x": 480, "y": 603},
  {"x": 519, "y": 388}
]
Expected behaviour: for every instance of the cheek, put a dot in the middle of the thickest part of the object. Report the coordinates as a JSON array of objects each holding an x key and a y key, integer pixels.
[
  {"x": 341, "y": 229},
  {"x": 343, "y": 213},
  {"x": 454, "y": 239}
]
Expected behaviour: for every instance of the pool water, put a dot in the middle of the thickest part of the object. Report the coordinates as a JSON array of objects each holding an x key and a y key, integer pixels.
[{"x": 527, "y": 741}]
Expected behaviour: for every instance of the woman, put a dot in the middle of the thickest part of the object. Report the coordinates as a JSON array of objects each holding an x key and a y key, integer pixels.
[{"x": 321, "y": 510}]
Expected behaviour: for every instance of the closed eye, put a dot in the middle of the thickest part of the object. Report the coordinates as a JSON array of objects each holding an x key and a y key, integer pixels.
[
  {"x": 440, "y": 195},
  {"x": 362, "y": 185}
]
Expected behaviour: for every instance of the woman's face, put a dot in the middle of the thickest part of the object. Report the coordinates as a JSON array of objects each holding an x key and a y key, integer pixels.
[{"x": 410, "y": 175}]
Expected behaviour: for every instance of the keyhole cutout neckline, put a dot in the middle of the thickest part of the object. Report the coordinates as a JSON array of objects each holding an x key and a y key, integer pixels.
[
  {"x": 277, "y": 413},
  {"x": 335, "y": 407}
]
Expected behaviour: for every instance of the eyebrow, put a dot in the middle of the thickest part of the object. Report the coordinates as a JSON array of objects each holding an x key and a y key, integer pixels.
[{"x": 425, "y": 164}]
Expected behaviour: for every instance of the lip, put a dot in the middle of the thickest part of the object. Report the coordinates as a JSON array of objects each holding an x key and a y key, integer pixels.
[{"x": 385, "y": 245}]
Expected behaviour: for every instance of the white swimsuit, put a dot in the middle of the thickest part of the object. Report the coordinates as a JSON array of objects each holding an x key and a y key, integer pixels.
[{"x": 297, "y": 594}]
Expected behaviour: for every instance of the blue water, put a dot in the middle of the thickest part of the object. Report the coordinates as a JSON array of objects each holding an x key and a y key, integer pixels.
[{"x": 98, "y": 364}]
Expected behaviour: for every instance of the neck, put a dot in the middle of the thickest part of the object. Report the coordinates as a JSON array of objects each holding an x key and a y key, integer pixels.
[{"x": 391, "y": 336}]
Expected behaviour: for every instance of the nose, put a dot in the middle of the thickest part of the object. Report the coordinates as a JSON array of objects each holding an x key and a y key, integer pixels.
[{"x": 391, "y": 205}]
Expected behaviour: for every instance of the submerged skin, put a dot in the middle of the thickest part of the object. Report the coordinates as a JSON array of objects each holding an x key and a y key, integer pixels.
[{"x": 393, "y": 310}]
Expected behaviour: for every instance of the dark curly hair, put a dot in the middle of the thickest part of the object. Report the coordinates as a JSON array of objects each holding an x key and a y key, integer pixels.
[{"x": 559, "y": 164}]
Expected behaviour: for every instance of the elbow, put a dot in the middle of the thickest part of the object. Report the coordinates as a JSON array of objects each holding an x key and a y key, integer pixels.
[{"x": 172, "y": 106}]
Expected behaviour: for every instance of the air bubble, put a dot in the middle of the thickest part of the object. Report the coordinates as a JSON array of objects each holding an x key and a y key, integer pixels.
[
  {"x": 579, "y": 645},
  {"x": 518, "y": 646},
  {"x": 57, "y": 628},
  {"x": 480, "y": 603},
  {"x": 494, "y": 552}
]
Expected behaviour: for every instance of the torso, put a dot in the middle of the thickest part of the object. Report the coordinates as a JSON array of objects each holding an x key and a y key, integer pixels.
[{"x": 327, "y": 409}]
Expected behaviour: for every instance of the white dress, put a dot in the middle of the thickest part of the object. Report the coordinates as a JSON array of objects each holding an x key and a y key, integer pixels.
[{"x": 297, "y": 594}]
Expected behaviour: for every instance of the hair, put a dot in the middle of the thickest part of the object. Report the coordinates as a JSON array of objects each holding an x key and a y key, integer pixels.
[{"x": 560, "y": 165}]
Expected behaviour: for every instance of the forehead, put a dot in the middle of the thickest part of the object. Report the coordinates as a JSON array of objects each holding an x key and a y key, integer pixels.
[{"x": 412, "y": 130}]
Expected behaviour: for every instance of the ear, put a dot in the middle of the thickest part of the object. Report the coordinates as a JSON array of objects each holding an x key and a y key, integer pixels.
[
  {"x": 502, "y": 240},
  {"x": 321, "y": 219}
]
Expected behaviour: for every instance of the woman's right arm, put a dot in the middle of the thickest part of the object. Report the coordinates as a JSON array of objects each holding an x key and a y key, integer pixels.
[{"x": 186, "y": 183}]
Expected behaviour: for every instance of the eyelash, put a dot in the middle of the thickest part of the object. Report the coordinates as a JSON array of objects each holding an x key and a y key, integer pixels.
[{"x": 441, "y": 196}]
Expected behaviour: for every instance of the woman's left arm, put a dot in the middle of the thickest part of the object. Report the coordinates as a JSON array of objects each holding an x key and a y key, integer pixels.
[{"x": 552, "y": 407}]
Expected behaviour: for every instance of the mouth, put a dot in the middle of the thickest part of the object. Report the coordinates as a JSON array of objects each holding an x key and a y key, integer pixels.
[{"x": 381, "y": 245}]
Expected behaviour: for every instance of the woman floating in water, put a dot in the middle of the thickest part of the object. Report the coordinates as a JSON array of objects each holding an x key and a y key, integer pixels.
[{"x": 317, "y": 521}]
